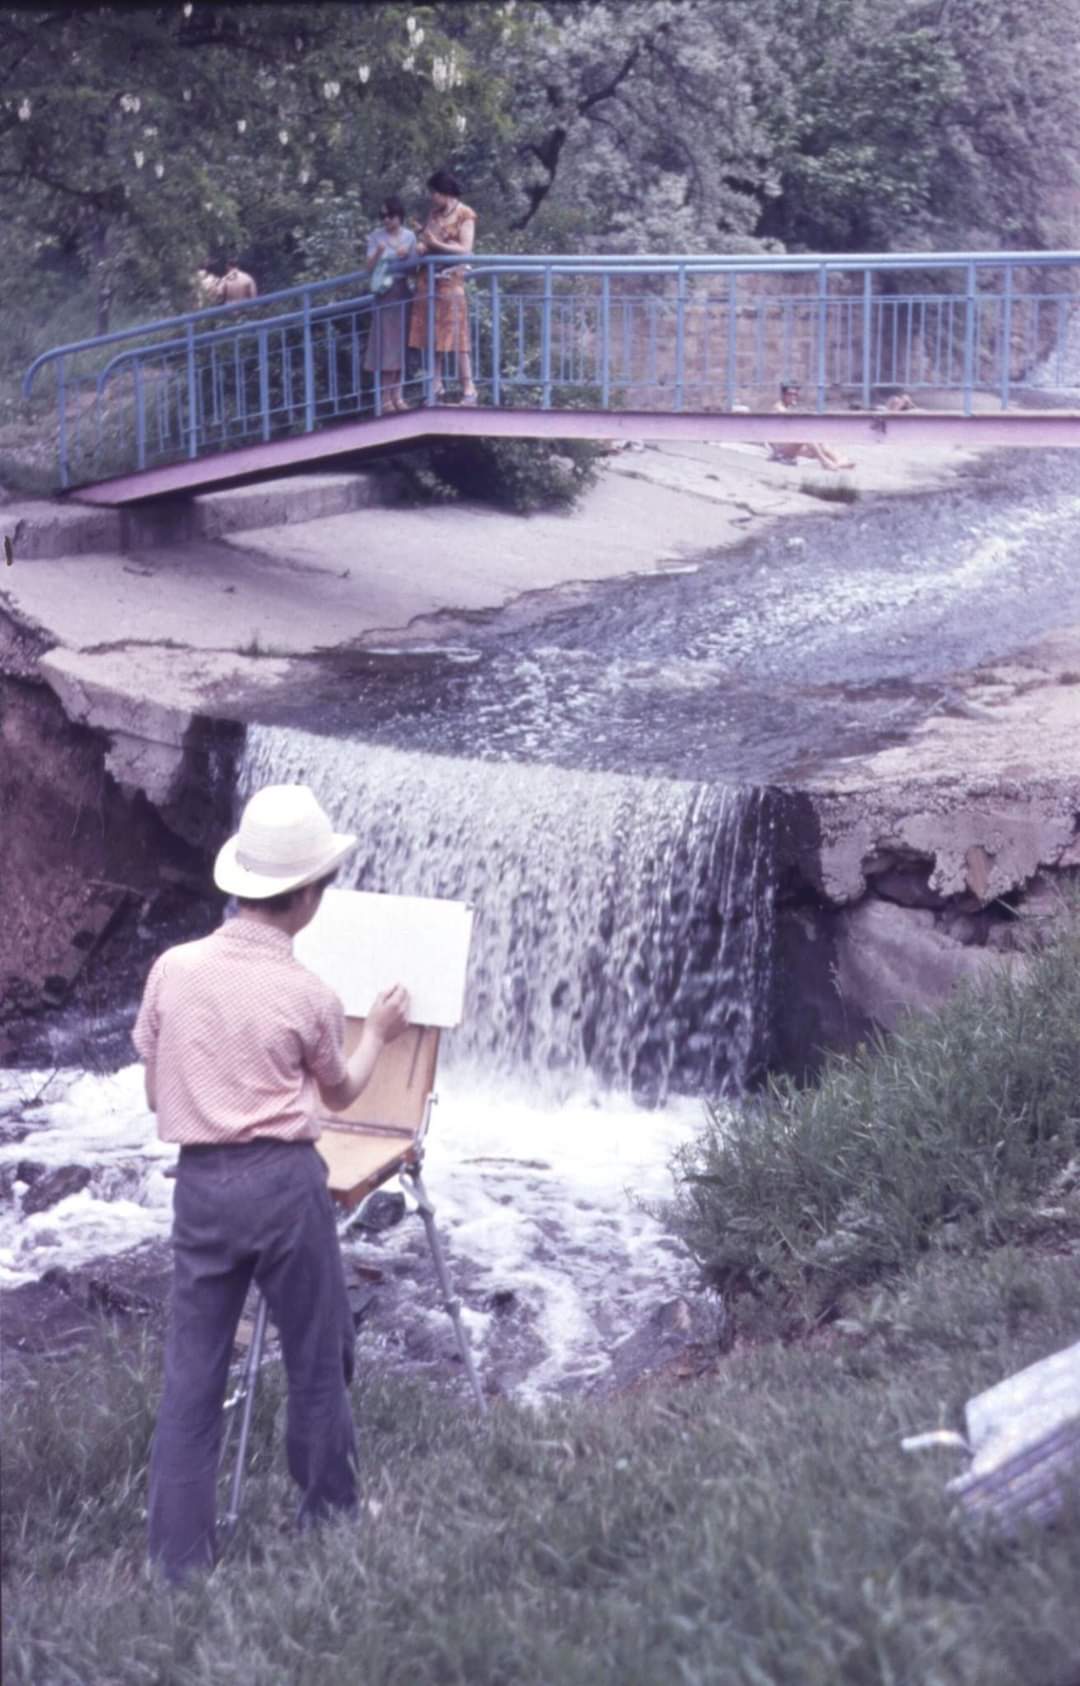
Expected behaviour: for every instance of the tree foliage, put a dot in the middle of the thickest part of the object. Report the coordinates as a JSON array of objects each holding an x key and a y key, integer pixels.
[{"x": 136, "y": 141}]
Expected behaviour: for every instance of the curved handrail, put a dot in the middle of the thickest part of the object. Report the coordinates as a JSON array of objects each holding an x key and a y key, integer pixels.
[
  {"x": 264, "y": 324},
  {"x": 143, "y": 328}
]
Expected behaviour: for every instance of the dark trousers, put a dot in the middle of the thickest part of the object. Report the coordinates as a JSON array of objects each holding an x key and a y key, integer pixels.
[{"x": 258, "y": 1211}]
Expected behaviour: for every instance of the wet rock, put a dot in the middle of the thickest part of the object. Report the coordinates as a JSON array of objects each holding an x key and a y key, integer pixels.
[
  {"x": 131, "y": 1285},
  {"x": 502, "y": 1301},
  {"x": 58, "y": 1313},
  {"x": 361, "y": 1298},
  {"x": 682, "y": 1338},
  {"x": 806, "y": 1013},
  {"x": 890, "y": 959},
  {"x": 48, "y": 1188},
  {"x": 381, "y": 1212},
  {"x": 40, "y": 1317}
]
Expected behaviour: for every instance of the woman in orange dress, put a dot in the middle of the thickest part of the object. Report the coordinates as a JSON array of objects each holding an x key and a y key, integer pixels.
[{"x": 450, "y": 227}]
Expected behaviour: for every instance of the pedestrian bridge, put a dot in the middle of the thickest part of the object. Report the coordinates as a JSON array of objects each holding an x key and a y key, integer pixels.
[{"x": 647, "y": 347}]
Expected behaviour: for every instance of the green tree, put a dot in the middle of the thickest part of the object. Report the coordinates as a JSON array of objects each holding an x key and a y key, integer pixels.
[
  {"x": 920, "y": 125},
  {"x": 135, "y": 141}
]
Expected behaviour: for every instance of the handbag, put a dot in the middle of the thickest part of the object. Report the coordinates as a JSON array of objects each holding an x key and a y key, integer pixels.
[{"x": 381, "y": 280}]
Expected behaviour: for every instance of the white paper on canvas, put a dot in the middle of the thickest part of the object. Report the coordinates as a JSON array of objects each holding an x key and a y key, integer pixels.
[{"x": 360, "y": 943}]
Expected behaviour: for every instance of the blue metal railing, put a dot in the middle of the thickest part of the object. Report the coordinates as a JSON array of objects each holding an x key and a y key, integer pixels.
[{"x": 666, "y": 332}]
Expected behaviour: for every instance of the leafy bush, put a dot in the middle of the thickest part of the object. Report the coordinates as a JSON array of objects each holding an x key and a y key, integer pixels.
[
  {"x": 945, "y": 1129},
  {"x": 519, "y": 474},
  {"x": 523, "y": 475}
]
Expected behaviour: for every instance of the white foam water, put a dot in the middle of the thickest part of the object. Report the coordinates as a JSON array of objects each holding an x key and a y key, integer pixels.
[{"x": 546, "y": 1204}]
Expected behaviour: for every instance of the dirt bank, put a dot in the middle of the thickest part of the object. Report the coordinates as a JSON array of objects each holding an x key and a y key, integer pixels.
[{"x": 92, "y": 874}]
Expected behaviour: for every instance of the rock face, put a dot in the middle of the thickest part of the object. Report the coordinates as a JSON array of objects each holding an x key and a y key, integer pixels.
[
  {"x": 47, "y": 1188},
  {"x": 682, "y": 1338},
  {"x": 895, "y": 894},
  {"x": 891, "y": 957}
]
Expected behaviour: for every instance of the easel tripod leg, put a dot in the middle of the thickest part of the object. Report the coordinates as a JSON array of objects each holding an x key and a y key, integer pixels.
[
  {"x": 452, "y": 1304},
  {"x": 245, "y": 1401}
]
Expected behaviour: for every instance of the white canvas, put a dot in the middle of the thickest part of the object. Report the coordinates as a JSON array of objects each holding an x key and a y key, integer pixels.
[{"x": 361, "y": 943}]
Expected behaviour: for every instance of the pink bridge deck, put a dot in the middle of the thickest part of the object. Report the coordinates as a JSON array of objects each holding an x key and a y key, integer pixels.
[{"x": 1040, "y": 429}]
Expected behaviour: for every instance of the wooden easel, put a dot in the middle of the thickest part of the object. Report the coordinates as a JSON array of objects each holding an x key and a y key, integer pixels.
[{"x": 380, "y": 1136}]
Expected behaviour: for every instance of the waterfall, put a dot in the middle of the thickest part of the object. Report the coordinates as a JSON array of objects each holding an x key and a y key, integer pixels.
[{"x": 623, "y": 925}]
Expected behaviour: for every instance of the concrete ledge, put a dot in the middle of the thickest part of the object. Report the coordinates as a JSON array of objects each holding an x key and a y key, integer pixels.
[{"x": 51, "y": 529}]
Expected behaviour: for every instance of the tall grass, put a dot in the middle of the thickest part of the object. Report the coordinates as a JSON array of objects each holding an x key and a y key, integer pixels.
[
  {"x": 761, "y": 1527},
  {"x": 945, "y": 1131}
]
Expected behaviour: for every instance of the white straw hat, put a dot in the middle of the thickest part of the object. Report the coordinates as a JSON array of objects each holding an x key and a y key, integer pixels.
[{"x": 285, "y": 841}]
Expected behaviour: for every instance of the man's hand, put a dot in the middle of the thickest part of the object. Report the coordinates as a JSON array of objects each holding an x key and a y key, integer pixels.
[
  {"x": 388, "y": 1017},
  {"x": 389, "y": 1014}
]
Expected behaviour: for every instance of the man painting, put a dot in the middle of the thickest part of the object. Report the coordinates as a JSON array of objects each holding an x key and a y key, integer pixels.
[{"x": 242, "y": 1047}]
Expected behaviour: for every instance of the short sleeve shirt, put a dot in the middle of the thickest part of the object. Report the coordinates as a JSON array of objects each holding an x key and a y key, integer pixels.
[
  {"x": 236, "y": 1034},
  {"x": 381, "y": 240}
]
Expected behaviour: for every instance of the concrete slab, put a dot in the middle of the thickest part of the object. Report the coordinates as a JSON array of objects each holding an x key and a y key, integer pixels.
[{"x": 65, "y": 528}]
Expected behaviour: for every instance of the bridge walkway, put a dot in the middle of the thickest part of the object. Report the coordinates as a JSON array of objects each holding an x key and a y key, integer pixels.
[{"x": 650, "y": 347}]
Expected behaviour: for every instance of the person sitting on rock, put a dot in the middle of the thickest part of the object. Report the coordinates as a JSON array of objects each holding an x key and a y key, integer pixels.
[{"x": 792, "y": 452}]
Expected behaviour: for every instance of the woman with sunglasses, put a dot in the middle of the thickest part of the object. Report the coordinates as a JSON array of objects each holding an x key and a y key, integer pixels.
[{"x": 386, "y": 341}]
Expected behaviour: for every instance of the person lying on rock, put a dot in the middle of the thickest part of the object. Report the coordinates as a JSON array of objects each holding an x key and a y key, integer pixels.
[
  {"x": 790, "y": 396},
  {"x": 241, "y": 1042}
]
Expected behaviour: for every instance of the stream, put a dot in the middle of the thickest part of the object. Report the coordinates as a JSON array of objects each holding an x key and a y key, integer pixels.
[{"x": 598, "y": 776}]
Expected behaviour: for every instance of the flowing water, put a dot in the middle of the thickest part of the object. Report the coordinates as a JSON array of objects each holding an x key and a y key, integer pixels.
[
  {"x": 597, "y": 779},
  {"x": 623, "y": 925},
  {"x": 824, "y": 639}
]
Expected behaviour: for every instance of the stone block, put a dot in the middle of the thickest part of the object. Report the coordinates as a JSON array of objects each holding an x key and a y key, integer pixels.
[{"x": 891, "y": 958}]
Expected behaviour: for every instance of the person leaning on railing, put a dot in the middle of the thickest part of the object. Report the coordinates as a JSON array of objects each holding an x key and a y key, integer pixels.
[
  {"x": 236, "y": 284},
  {"x": 385, "y": 347},
  {"x": 450, "y": 227}
]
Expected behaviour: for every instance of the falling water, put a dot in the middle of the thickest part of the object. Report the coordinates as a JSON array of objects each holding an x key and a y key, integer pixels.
[{"x": 623, "y": 924}]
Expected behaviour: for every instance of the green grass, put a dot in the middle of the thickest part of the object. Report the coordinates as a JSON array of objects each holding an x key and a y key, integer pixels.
[
  {"x": 948, "y": 1133},
  {"x": 758, "y": 1528}
]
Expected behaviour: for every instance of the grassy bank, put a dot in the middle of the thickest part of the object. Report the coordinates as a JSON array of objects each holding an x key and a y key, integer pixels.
[
  {"x": 758, "y": 1527},
  {"x": 960, "y": 1131}
]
